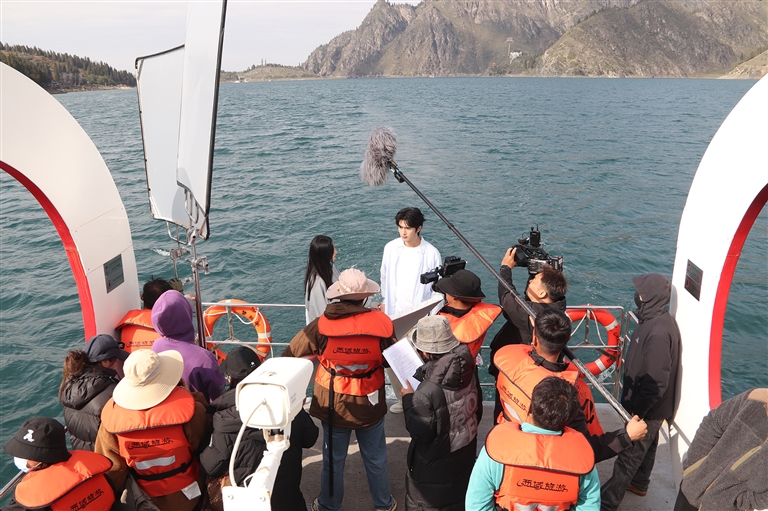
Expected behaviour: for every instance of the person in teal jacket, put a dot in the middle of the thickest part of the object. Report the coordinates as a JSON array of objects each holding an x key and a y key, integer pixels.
[{"x": 553, "y": 403}]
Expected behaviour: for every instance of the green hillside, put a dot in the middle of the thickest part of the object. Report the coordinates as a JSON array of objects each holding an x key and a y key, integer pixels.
[{"x": 61, "y": 71}]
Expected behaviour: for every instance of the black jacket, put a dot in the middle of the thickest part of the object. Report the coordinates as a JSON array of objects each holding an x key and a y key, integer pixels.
[
  {"x": 83, "y": 399},
  {"x": 286, "y": 495},
  {"x": 518, "y": 328},
  {"x": 652, "y": 366},
  {"x": 442, "y": 417}
]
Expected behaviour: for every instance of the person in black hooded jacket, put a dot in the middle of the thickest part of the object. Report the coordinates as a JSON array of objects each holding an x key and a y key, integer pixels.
[
  {"x": 442, "y": 416},
  {"x": 286, "y": 495},
  {"x": 89, "y": 378},
  {"x": 650, "y": 386}
]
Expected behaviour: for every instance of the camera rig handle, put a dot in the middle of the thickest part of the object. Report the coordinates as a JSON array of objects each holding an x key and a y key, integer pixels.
[{"x": 398, "y": 174}]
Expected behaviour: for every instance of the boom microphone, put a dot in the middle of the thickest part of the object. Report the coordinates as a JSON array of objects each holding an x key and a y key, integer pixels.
[
  {"x": 374, "y": 171},
  {"x": 379, "y": 155}
]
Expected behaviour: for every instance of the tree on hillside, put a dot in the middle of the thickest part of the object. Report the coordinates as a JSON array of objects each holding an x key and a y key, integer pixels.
[{"x": 46, "y": 67}]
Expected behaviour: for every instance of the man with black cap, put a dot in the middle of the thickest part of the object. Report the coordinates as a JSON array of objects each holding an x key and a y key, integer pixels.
[
  {"x": 56, "y": 479},
  {"x": 470, "y": 318},
  {"x": 286, "y": 494}
]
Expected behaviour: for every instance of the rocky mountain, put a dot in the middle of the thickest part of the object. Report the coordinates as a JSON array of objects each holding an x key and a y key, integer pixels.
[
  {"x": 549, "y": 37},
  {"x": 659, "y": 38},
  {"x": 754, "y": 68}
]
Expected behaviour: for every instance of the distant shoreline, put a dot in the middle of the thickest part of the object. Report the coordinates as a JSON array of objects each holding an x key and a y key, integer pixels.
[
  {"x": 92, "y": 87},
  {"x": 86, "y": 88}
]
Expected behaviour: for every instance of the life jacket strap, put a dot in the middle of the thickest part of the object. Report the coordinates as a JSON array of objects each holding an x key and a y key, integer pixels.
[
  {"x": 162, "y": 475},
  {"x": 366, "y": 374}
]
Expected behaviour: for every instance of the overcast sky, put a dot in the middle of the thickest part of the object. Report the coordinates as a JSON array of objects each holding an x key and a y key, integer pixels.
[{"x": 118, "y": 31}]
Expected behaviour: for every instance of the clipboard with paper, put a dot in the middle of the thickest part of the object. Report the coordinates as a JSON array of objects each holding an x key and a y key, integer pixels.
[
  {"x": 402, "y": 357},
  {"x": 404, "y": 361}
]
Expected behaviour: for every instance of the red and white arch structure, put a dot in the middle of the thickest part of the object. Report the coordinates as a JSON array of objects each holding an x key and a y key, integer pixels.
[
  {"x": 728, "y": 192},
  {"x": 47, "y": 151}
]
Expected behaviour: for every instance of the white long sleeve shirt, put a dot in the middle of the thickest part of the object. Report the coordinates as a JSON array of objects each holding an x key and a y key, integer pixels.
[{"x": 401, "y": 268}]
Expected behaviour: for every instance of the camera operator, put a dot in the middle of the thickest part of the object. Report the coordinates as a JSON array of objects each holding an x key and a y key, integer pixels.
[{"x": 545, "y": 290}]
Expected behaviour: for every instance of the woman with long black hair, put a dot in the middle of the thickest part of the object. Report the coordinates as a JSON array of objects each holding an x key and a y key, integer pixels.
[{"x": 320, "y": 274}]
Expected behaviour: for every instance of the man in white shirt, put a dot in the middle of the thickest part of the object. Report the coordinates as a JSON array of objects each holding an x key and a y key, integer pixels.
[{"x": 405, "y": 259}]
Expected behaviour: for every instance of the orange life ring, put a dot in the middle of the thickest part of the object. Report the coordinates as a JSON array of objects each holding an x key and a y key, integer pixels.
[
  {"x": 252, "y": 314},
  {"x": 612, "y": 327}
]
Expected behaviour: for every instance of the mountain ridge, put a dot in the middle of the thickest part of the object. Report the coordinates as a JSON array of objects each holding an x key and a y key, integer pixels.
[{"x": 614, "y": 38}]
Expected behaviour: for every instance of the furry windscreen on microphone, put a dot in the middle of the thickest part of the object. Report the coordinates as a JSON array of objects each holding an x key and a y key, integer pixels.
[{"x": 378, "y": 156}]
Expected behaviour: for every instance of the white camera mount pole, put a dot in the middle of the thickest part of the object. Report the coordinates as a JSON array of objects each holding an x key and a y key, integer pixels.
[
  {"x": 256, "y": 496},
  {"x": 267, "y": 399}
]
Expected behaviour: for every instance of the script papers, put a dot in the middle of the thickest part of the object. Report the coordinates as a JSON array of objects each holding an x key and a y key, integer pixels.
[
  {"x": 404, "y": 361},
  {"x": 402, "y": 357}
]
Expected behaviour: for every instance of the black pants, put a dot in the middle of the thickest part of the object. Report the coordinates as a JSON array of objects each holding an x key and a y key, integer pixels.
[{"x": 633, "y": 465}]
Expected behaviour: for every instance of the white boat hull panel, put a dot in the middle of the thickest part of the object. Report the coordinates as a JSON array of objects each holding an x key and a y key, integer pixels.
[
  {"x": 728, "y": 192},
  {"x": 47, "y": 151}
]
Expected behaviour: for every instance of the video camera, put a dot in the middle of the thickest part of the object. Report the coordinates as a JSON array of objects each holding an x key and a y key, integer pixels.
[
  {"x": 451, "y": 265},
  {"x": 530, "y": 254}
]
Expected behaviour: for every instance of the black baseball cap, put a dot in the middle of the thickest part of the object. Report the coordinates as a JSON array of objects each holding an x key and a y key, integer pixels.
[
  {"x": 103, "y": 347},
  {"x": 240, "y": 362}
]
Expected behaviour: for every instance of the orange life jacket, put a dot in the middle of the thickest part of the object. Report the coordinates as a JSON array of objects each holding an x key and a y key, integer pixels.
[
  {"x": 519, "y": 374},
  {"x": 352, "y": 357},
  {"x": 153, "y": 442},
  {"x": 73, "y": 485},
  {"x": 136, "y": 330},
  {"x": 471, "y": 328},
  {"x": 541, "y": 472}
]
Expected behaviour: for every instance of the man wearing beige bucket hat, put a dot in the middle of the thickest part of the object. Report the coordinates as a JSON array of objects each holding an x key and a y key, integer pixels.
[
  {"x": 442, "y": 416},
  {"x": 152, "y": 428},
  {"x": 348, "y": 339}
]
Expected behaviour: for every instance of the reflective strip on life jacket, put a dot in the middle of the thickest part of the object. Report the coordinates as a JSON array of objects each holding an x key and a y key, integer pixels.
[
  {"x": 471, "y": 328},
  {"x": 73, "y": 485},
  {"x": 157, "y": 462},
  {"x": 539, "y": 470},
  {"x": 153, "y": 442},
  {"x": 136, "y": 330}
]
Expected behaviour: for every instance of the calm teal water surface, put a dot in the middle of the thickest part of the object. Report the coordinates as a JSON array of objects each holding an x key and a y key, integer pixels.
[{"x": 602, "y": 166}]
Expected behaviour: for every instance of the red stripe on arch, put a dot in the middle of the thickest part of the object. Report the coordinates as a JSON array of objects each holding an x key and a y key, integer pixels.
[
  {"x": 721, "y": 298},
  {"x": 81, "y": 280}
]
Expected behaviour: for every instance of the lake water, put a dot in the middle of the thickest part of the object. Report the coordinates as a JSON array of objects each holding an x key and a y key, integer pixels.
[{"x": 603, "y": 166}]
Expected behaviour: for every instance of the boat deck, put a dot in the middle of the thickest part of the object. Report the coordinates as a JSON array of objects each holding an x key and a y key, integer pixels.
[{"x": 661, "y": 495}]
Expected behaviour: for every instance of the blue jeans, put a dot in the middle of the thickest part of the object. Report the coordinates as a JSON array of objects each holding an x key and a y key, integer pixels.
[
  {"x": 633, "y": 465},
  {"x": 373, "y": 449}
]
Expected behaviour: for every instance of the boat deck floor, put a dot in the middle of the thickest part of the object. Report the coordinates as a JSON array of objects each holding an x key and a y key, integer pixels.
[{"x": 661, "y": 494}]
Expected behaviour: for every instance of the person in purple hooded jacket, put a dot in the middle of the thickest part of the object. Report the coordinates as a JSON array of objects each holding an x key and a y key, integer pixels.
[{"x": 172, "y": 319}]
